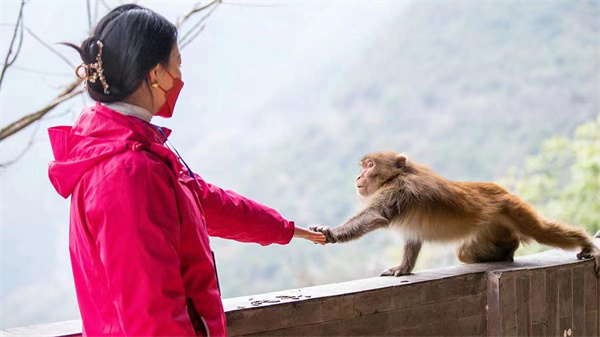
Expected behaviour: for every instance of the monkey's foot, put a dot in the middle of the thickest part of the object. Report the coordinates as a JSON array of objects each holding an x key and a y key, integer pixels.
[
  {"x": 329, "y": 237},
  {"x": 589, "y": 253},
  {"x": 396, "y": 271}
]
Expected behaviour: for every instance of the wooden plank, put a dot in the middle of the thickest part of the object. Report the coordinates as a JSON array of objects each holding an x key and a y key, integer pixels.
[{"x": 523, "y": 314}]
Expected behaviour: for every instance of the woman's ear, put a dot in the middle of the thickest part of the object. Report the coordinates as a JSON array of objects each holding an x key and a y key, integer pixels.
[{"x": 153, "y": 74}]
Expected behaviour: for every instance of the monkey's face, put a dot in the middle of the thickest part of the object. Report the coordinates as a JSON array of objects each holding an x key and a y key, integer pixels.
[
  {"x": 376, "y": 169},
  {"x": 365, "y": 184}
]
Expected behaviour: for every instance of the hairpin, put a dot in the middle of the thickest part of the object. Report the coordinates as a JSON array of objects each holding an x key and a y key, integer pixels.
[{"x": 98, "y": 74}]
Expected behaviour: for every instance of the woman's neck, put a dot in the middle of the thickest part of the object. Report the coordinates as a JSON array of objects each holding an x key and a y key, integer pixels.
[{"x": 130, "y": 109}]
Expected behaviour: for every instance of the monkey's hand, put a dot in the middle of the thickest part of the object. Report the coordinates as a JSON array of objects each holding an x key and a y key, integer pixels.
[
  {"x": 330, "y": 237},
  {"x": 589, "y": 253},
  {"x": 397, "y": 271}
]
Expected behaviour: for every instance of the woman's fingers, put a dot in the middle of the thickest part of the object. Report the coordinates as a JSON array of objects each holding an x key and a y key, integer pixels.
[{"x": 316, "y": 237}]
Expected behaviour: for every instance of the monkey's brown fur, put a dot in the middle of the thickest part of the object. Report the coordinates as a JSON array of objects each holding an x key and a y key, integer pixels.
[{"x": 486, "y": 220}]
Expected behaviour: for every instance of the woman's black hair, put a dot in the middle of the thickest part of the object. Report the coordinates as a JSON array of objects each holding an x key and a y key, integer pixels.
[{"x": 135, "y": 39}]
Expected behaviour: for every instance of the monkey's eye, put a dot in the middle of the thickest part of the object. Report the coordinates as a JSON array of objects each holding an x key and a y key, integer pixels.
[{"x": 370, "y": 164}]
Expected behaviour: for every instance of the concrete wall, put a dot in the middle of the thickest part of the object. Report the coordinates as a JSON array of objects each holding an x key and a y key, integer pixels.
[{"x": 547, "y": 294}]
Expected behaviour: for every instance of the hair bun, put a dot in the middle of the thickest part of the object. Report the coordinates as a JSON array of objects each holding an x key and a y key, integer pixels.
[{"x": 89, "y": 50}]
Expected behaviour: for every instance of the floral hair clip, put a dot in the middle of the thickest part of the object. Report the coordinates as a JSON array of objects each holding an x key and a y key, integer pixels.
[{"x": 98, "y": 74}]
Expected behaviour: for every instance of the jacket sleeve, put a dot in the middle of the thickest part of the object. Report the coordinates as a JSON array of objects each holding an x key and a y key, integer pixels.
[
  {"x": 231, "y": 216},
  {"x": 133, "y": 216}
]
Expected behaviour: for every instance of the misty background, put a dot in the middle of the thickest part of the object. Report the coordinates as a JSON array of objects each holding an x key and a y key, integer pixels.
[{"x": 281, "y": 100}]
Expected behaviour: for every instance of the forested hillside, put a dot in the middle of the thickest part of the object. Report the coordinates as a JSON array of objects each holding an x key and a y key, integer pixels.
[{"x": 470, "y": 89}]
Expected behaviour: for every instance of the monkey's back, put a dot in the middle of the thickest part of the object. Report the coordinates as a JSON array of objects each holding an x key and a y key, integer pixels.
[{"x": 437, "y": 209}]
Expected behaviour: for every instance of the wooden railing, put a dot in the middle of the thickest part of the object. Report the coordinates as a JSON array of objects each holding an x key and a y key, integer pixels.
[{"x": 546, "y": 294}]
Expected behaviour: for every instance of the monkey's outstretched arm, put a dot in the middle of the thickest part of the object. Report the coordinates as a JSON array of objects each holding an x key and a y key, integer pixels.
[{"x": 355, "y": 227}]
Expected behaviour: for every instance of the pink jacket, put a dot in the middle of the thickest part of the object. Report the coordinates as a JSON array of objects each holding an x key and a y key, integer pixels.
[{"x": 139, "y": 227}]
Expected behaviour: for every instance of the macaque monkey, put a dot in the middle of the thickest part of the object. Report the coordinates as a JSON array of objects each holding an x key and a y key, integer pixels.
[{"x": 485, "y": 219}]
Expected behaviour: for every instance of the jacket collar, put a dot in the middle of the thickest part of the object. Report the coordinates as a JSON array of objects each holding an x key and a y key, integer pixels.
[
  {"x": 130, "y": 110},
  {"x": 104, "y": 122}
]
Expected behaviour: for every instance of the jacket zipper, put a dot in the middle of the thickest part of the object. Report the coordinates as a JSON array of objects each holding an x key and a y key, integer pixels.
[
  {"x": 191, "y": 174},
  {"x": 198, "y": 321}
]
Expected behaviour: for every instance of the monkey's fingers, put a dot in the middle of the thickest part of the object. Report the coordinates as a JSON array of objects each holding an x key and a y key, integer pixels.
[
  {"x": 326, "y": 231},
  {"x": 313, "y": 228}
]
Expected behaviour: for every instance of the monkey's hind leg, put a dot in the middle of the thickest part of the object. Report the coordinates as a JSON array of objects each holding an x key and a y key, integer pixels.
[{"x": 496, "y": 244}]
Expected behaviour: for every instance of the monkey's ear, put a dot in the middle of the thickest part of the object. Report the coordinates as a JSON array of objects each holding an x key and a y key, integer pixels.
[{"x": 401, "y": 161}]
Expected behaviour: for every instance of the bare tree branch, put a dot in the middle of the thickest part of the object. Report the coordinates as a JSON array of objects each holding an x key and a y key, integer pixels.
[
  {"x": 190, "y": 35},
  {"x": 8, "y": 61},
  {"x": 70, "y": 91},
  {"x": 40, "y": 72},
  {"x": 185, "y": 43},
  {"x": 60, "y": 115},
  {"x": 18, "y": 125},
  {"x": 96, "y": 9},
  {"x": 50, "y": 47},
  {"x": 196, "y": 10},
  {"x": 105, "y": 5},
  {"x": 89, "y": 14},
  {"x": 32, "y": 140},
  {"x": 24, "y": 151},
  {"x": 249, "y": 4}
]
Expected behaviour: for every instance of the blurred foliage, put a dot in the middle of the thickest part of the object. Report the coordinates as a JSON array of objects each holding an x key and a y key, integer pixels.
[{"x": 563, "y": 179}]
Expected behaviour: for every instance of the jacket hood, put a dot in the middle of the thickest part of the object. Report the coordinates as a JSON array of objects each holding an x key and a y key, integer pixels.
[{"x": 98, "y": 134}]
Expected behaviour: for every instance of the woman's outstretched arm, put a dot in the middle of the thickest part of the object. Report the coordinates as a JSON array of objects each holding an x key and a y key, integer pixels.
[{"x": 230, "y": 215}]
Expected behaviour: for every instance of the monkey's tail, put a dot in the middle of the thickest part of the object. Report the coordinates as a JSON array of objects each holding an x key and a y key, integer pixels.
[
  {"x": 547, "y": 232},
  {"x": 554, "y": 233},
  {"x": 563, "y": 236}
]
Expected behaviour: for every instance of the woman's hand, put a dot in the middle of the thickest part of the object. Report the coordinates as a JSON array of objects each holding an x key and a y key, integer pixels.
[{"x": 304, "y": 233}]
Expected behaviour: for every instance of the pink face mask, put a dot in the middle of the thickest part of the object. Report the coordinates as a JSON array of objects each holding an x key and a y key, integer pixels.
[{"x": 166, "y": 110}]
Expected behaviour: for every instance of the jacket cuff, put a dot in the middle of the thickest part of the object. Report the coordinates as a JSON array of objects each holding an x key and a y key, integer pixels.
[{"x": 288, "y": 233}]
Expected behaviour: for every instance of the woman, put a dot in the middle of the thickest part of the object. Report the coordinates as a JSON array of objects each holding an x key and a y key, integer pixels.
[{"x": 140, "y": 219}]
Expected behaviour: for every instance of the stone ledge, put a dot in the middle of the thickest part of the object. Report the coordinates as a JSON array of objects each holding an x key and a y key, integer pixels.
[{"x": 466, "y": 300}]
